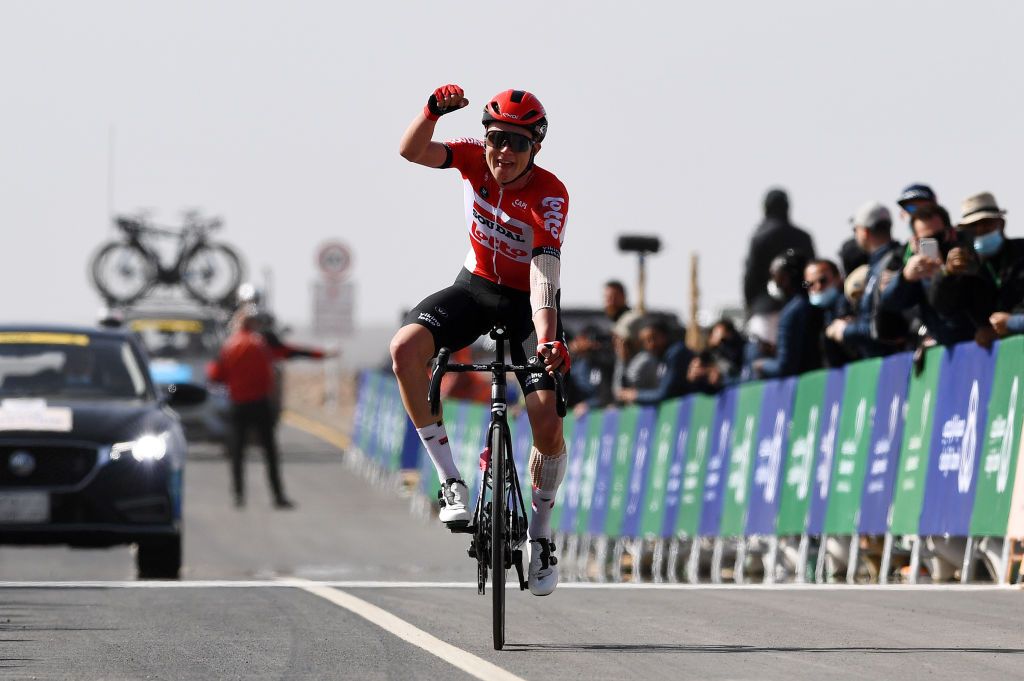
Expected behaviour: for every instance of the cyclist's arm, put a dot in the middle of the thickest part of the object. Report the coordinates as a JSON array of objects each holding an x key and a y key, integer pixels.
[{"x": 418, "y": 145}]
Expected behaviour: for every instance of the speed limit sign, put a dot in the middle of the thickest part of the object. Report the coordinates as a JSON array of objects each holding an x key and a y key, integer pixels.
[{"x": 334, "y": 260}]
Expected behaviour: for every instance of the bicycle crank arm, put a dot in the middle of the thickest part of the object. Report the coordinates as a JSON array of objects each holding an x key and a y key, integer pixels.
[{"x": 517, "y": 561}]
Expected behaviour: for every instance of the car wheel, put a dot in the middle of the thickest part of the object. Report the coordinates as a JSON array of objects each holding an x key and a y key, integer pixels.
[{"x": 159, "y": 557}]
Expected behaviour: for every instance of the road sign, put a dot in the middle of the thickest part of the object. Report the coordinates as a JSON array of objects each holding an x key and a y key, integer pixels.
[
  {"x": 334, "y": 260},
  {"x": 333, "y": 308}
]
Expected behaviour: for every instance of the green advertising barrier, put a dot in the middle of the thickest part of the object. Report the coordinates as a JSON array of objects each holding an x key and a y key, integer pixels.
[
  {"x": 1002, "y": 434},
  {"x": 589, "y": 472},
  {"x": 741, "y": 459},
  {"x": 661, "y": 456},
  {"x": 795, "y": 497},
  {"x": 568, "y": 427},
  {"x": 852, "y": 443},
  {"x": 625, "y": 442},
  {"x": 908, "y": 495},
  {"x": 698, "y": 446}
]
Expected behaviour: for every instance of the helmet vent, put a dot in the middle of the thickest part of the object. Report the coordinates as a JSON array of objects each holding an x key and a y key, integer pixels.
[
  {"x": 517, "y": 96},
  {"x": 530, "y": 114}
]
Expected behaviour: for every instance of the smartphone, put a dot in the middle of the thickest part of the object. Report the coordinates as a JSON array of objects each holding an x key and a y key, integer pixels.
[{"x": 928, "y": 247}]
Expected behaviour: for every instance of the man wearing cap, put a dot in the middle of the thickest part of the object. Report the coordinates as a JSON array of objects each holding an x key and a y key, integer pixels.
[
  {"x": 982, "y": 220},
  {"x": 773, "y": 236},
  {"x": 915, "y": 196},
  {"x": 872, "y": 333}
]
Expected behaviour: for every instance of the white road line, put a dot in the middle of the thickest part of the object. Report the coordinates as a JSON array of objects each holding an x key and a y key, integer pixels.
[
  {"x": 467, "y": 662},
  {"x": 607, "y": 586}
]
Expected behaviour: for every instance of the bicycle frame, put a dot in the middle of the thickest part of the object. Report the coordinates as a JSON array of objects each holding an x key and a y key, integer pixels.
[{"x": 190, "y": 239}]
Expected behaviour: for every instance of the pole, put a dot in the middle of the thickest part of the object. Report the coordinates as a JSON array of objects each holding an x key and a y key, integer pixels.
[{"x": 641, "y": 305}]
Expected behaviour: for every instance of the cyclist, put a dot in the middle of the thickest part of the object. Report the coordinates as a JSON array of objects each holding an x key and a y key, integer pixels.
[{"x": 515, "y": 214}]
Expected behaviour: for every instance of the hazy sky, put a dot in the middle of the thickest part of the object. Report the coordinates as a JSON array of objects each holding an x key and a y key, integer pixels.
[{"x": 667, "y": 118}]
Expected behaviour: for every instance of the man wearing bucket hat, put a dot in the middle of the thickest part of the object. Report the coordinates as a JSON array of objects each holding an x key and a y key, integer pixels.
[{"x": 984, "y": 222}]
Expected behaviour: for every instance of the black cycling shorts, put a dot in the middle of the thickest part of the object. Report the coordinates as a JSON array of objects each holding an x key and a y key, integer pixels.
[{"x": 469, "y": 308}]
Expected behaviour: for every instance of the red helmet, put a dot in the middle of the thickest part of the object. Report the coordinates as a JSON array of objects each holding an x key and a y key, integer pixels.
[{"x": 518, "y": 107}]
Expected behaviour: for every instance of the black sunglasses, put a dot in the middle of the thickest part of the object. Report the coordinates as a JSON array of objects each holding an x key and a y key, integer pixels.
[
  {"x": 499, "y": 139},
  {"x": 820, "y": 282}
]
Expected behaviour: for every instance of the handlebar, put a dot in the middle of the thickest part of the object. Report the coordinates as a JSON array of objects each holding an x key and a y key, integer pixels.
[{"x": 442, "y": 367}]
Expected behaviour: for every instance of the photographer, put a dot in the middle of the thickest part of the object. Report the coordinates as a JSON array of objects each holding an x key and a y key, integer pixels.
[{"x": 721, "y": 364}]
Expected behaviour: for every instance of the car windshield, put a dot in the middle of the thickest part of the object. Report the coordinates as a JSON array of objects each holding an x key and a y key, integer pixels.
[
  {"x": 68, "y": 366},
  {"x": 177, "y": 338}
]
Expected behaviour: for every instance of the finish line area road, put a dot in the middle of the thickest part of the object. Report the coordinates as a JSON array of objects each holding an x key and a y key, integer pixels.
[{"x": 352, "y": 585}]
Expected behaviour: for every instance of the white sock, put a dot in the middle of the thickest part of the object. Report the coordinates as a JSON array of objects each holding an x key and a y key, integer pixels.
[
  {"x": 435, "y": 439},
  {"x": 546, "y": 473}
]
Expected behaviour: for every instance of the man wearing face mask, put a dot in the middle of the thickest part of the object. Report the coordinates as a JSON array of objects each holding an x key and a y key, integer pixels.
[
  {"x": 870, "y": 332},
  {"x": 953, "y": 300},
  {"x": 1001, "y": 259},
  {"x": 799, "y": 321},
  {"x": 824, "y": 287}
]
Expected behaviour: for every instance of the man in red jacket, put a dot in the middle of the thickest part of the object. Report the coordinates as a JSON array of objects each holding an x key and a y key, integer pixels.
[{"x": 246, "y": 366}]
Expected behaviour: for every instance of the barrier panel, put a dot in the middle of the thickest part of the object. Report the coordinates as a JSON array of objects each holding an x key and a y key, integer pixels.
[
  {"x": 960, "y": 411},
  {"x": 718, "y": 464},
  {"x": 1000, "y": 445},
  {"x": 737, "y": 482},
  {"x": 884, "y": 446},
  {"x": 772, "y": 441},
  {"x": 847, "y": 478},
  {"x": 798, "y": 476},
  {"x": 915, "y": 452},
  {"x": 673, "y": 422},
  {"x": 825, "y": 448},
  {"x": 622, "y": 466},
  {"x": 609, "y": 438},
  {"x": 573, "y": 470},
  {"x": 689, "y": 467},
  {"x": 576, "y": 450}
]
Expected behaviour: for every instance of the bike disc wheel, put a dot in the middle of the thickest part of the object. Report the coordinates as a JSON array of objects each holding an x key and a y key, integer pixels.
[
  {"x": 122, "y": 273},
  {"x": 498, "y": 535},
  {"x": 212, "y": 273}
]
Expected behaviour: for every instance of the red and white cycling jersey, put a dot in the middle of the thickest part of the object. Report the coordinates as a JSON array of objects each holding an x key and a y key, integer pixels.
[{"x": 507, "y": 228}]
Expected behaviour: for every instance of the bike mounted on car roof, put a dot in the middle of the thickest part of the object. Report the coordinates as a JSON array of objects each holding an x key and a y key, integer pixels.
[
  {"x": 125, "y": 270},
  {"x": 499, "y": 521}
]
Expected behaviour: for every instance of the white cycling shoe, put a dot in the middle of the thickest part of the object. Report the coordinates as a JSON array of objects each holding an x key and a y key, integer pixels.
[
  {"x": 452, "y": 499},
  {"x": 543, "y": 567}
]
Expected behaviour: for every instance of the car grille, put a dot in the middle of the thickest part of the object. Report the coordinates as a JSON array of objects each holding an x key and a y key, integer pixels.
[{"x": 53, "y": 465}]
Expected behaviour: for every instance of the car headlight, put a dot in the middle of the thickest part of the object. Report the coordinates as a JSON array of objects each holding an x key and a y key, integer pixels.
[{"x": 146, "y": 448}]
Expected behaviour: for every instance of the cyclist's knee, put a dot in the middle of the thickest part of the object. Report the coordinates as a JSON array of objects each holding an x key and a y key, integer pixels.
[
  {"x": 546, "y": 425},
  {"x": 411, "y": 349}
]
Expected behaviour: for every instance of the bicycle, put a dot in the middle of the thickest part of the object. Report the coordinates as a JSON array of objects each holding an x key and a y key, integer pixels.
[
  {"x": 499, "y": 520},
  {"x": 125, "y": 270}
]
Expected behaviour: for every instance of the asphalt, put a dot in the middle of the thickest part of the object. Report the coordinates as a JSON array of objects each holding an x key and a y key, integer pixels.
[{"x": 242, "y": 609}]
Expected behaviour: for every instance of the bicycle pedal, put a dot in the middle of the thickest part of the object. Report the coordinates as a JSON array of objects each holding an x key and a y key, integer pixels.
[{"x": 459, "y": 527}]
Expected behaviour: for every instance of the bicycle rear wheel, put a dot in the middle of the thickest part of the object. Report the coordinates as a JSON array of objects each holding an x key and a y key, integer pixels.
[
  {"x": 122, "y": 273},
  {"x": 499, "y": 533},
  {"x": 212, "y": 273}
]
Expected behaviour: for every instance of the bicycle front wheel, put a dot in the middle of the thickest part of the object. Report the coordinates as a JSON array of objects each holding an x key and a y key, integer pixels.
[
  {"x": 122, "y": 273},
  {"x": 499, "y": 532},
  {"x": 212, "y": 273}
]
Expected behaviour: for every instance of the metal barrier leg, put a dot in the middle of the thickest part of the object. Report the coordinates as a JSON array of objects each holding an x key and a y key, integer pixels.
[
  {"x": 771, "y": 560},
  {"x": 966, "y": 571},
  {"x": 583, "y": 558},
  {"x": 570, "y": 546},
  {"x": 693, "y": 562},
  {"x": 915, "y": 559},
  {"x": 883, "y": 571},
  {"x": 716, "y": 561},
  {"x": 658, "y": 561},
  {"x": 819, "y": 568},
  {"x": 601, "y": 558},
  {"x": 851, "y": 568},
  {"x": 801, "y": 563},
  {"x": 635, "y": 549},
  {"x": 1004, "y": 563},
  {"x": 741, "y": 559},
  {"x": 618, "y": 551},
  {"x": 672, "y": 567}
]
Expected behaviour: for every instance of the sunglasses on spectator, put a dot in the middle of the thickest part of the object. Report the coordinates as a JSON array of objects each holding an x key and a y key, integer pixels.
[
  {"x": 499, "y": 139},
  {"x": 820, "y": 282}
]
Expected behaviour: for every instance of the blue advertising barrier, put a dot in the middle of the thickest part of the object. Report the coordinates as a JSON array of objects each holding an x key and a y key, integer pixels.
[
  {"x": 603, "y": 475},
  {"x": 574, "y": 476},
  {"x": 960, "y": 413},
  {"x": 674, "y": 484},
  {"x": 884, "y": 447},
  {"x": 772, "y": 444},
  {"x": 638, "y": 471},
  {"x": 718, "y": 464},
  {"x": 825, "y": 450}
]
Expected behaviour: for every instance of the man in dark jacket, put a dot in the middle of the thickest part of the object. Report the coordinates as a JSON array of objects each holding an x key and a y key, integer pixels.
[
  {"x": 775, "y": 235},
  {"x": 673, "y": 358},
  {"x": 824, "y": 286},
  {"x": 797, "y": 349}
]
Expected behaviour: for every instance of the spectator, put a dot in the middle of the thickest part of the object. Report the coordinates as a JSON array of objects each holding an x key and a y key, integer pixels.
[
  {"x": 825, "y": 292},
  {"x": 616, "y": 307},
  {"x": 246, "y": 366},
  {"x": 915, "y": 196},
  {"x": 870, "y": 332},
  {"x": 853, "y": 286},
  {"x": 954, "y": 304},
  {"x": 672, "y": 359},
  {"x": 799, "y": 321},
  {"x": 1001, "y": 258},
  {"x": 721, "y": 364},
  {"x": 775, "y": 235},
  {"x": 852, "y": 256},
  {"x": 590, "y": 381}
]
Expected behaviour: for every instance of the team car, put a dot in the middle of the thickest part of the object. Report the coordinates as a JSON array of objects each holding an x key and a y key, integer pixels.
[
  {"x": 180, "y": 343},
  {"x": 91, "y": 453}
]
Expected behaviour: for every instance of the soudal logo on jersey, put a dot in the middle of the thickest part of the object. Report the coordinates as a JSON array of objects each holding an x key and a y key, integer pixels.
[{"x": 500, "y": 229}]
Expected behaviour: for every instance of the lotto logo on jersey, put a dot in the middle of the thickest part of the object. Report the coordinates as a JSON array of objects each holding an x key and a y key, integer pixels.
[
  {"x": 499, "y": 241},
  {"x": 554, "y": 216}
]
